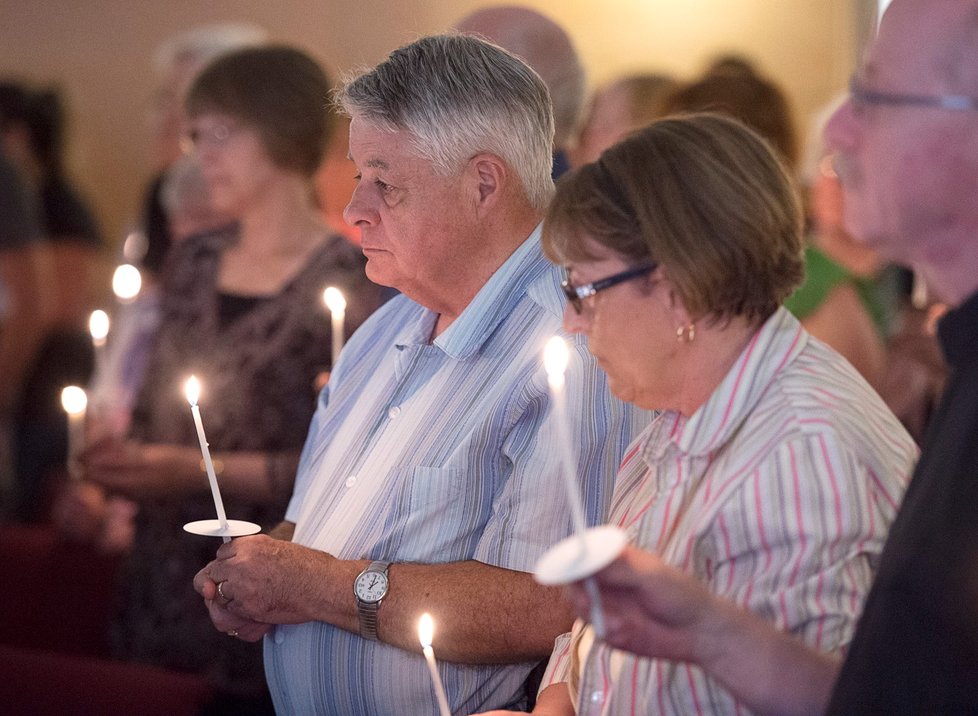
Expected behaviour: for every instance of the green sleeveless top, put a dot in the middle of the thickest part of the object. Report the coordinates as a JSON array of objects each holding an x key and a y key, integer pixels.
[{"x": 822, "y": 274}]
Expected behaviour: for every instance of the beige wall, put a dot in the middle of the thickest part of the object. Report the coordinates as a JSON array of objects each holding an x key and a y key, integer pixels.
[{"x": 99, "y": 52}]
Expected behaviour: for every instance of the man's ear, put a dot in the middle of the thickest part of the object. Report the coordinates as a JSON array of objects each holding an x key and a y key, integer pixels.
[{"x": 490, "y": 176}]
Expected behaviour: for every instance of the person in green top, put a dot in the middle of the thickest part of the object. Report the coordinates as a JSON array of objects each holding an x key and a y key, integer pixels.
[{"x": 846, "y": 300}]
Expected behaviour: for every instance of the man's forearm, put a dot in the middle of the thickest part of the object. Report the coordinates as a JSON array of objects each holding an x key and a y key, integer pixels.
[{"x": 482, "y": 614}]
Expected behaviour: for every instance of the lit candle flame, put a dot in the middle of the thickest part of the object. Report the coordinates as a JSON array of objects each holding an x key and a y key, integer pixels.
[
  {"x": 192, "y": 390},
  {"x": 333, "y": 298},
  {"x": 74, "y": 400},
  {"x": 98, "y": 326},
  {"x": 126, "y": 282},
  {"x": 426, "y": 630}
]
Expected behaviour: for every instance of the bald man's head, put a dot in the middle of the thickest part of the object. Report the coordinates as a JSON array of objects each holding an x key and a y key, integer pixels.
[{"x": 546, "y": 47}]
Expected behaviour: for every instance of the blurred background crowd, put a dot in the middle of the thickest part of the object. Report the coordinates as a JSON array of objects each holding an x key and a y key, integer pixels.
[{"x": 194, "y": 142}]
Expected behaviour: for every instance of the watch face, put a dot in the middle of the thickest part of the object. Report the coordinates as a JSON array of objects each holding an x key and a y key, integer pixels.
[{"x": 371, "y": 587}]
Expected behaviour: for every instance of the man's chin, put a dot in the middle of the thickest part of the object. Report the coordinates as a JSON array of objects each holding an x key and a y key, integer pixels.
[{"x": 377, "y": 269}]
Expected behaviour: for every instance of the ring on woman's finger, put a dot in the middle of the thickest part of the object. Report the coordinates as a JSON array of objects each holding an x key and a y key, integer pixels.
[{"x": 221, "y": 594}]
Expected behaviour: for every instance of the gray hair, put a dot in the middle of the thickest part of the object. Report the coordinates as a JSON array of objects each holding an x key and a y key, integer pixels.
[{"x": 459, "y": 96}]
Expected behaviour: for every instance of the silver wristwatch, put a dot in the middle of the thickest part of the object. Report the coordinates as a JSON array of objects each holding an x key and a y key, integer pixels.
[{"x": 370, "y": 587}]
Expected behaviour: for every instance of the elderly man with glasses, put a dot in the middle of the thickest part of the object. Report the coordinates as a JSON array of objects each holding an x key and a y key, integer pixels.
[
  {"x": 907, "y": 141},
  {"x": 429, "y": 477}
]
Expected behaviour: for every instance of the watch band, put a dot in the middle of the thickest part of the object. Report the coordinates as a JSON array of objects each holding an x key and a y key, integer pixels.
[{"x": 367, "y": 611}]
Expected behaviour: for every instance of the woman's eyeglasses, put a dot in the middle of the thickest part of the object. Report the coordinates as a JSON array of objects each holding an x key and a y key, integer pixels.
[{"x": 577, "y": 294}]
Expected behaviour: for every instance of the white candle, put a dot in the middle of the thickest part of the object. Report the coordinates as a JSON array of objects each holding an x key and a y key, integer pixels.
[
  {"x": 333, "y": 298},
  {"x": 98, "y": 326},
  {"x": 74, "y": 401},
  {"x": 555, "y": 358},
  {"x": 426, "y": 632},
  {"x": 126, "y": 282},
  {"x": 192, "y": 390},
  {"x": 134, "y": 247}
]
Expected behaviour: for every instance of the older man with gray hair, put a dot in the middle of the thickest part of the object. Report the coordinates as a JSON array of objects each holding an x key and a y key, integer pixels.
[{"x": 429, "y": 481}]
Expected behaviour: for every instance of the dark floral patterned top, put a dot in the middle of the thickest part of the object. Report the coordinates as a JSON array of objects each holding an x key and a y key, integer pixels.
[{"x": 257, "y": 364}]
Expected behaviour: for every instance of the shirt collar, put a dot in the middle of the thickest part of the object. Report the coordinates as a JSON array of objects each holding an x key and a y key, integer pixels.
[
  {"x": 775, "y": 345},
  {"x": 417, "y": 330}
]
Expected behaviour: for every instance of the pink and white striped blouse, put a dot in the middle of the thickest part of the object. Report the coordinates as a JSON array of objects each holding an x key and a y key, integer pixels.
[{"x": 777, "y": 493}]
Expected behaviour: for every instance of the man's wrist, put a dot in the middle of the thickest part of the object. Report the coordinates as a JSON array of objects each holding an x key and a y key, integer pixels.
[{"x": 370, "y": 589}]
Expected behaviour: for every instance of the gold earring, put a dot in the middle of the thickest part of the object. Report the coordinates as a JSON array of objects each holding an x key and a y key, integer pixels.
[{"x": 686, "y": 334}]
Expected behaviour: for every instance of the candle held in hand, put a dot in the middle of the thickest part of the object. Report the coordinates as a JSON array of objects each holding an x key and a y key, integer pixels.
[
  {"x": 98, "y": 326},
  {"x": 426, "y": 633},
  {"x": 333, "y": 298},
  {"x": 75, "y": 401},
  {"x": 192, "y": 390},
  {"x": 555, "y": 360}
]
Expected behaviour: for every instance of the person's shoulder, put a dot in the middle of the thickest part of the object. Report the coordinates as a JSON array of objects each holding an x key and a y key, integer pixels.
[
  {"x": 334, "y": 261},
  {"x": 820, "y": 397},
  {"x": 186, "y": 258}
]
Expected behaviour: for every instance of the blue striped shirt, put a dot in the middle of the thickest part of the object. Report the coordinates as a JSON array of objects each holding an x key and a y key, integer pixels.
[{"x": 442, "y": 451}]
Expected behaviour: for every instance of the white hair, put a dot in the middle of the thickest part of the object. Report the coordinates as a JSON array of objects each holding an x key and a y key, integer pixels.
[{"x": 458, "y": 96}]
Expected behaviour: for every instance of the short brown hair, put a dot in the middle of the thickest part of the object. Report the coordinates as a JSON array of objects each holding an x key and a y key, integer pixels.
[
  {"x": 280, "y": 91},
  {"x": 704, "y": 197},
  {"x": 740, "y": 93}
]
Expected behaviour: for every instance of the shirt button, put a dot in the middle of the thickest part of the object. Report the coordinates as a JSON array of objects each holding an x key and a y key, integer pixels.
[
  {"x": 597, "y": 697},
  {"x": 351, "y": 481},
  {"x": 279, "y": 635},
  {"x": 393, "y": 412}
]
